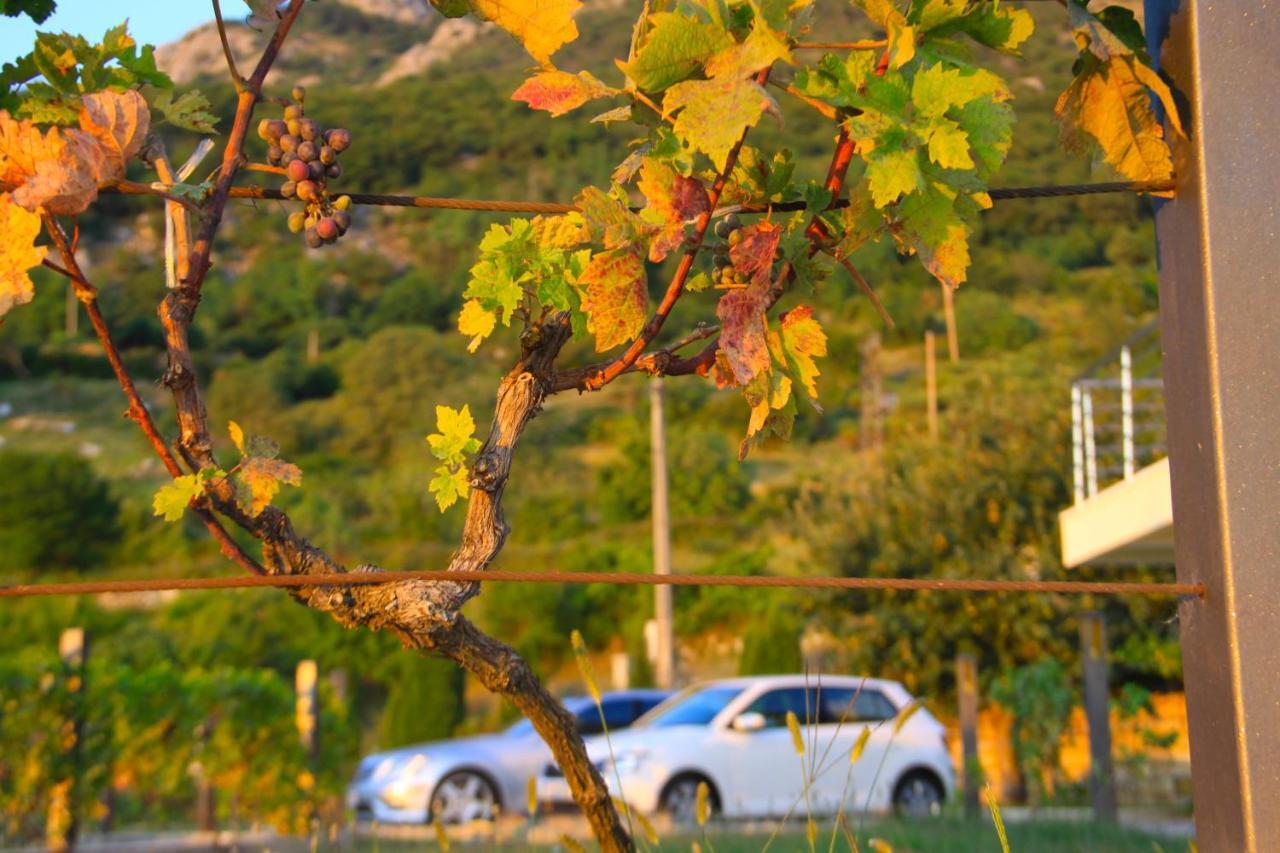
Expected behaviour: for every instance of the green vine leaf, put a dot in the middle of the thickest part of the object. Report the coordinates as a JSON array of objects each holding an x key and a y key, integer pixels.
[
  {"x": 452, "y": 444},
  {"x": 260, "y": 474},
  {"x": 172, "y": 499},
  {"x": 675, "y": 48}
]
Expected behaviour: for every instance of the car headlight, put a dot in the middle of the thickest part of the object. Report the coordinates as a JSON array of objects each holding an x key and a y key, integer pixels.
[
  {"x": 406, "y": 794},
  {"x": 627, "y": 761}
]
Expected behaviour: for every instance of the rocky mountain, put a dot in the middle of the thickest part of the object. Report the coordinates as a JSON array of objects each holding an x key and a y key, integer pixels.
[{"x": 360, "y": 39}]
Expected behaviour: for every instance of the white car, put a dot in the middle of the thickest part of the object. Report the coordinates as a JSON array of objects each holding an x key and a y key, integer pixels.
[
  {"x": 732, "y": 734},
  {"x": 472, "y": 778}
]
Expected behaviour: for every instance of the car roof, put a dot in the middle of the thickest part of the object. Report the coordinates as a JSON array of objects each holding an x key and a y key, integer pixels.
[
  {"x": 813, "y": 680},
  {"x": 638, "y": 693}
]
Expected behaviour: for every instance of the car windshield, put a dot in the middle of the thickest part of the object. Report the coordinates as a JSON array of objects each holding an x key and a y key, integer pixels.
[{"x": 696, "y": 706}]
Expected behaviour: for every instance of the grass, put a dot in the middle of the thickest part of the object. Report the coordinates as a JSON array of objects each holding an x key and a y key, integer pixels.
[{"x": 944, "y": 835}]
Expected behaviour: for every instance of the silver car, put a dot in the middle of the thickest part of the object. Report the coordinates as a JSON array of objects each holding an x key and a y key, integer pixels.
[{"x": 472, "y": 778}]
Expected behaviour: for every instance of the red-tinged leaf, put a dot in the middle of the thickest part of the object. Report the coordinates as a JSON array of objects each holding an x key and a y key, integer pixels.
[
  {"x": 558, "y": 92},
  {"x": 615, "y": 298},
  {"x": 743, "y": 330},
  {"x": 260, "y": 478},
  {"x": 673, "y": 200},
  {"x": 753, "y": 255}
]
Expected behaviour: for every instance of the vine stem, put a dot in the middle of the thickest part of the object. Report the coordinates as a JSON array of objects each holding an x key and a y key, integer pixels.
[{"x": 137, "y": 412}]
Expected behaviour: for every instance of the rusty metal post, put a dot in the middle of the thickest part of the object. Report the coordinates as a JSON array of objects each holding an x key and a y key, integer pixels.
[
  {"x": 1097, "y": 710},
  {"x": 1219, "y": 262},
  {"x": 967, "y": 698}
]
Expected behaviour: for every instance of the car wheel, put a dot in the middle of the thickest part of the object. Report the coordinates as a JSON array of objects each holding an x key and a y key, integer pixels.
[
  {"x": 680, "y": 798},
  {"x": 462, "y": 797},
  {"x": 918, "y": 794}
]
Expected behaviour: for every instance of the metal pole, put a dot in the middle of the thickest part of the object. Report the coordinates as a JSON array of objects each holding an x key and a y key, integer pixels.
[
  {"x": 1090, "y": 450},
  {"x": 967, "y": 697},
  {"x": 1126, "y": 409},
  {"x": 664, "y": 669},
  {"x": 1219, "y": 285},
  {"x": 1097, "y": 702},
  {"x": 1077, "y": 445},
  {"x": 931, "y": 384}
]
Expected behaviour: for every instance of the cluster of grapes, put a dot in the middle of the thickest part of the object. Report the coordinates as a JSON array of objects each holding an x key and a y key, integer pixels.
[
  {"x": 729, "y": 232},
  {"x": 309, "y": 157}
]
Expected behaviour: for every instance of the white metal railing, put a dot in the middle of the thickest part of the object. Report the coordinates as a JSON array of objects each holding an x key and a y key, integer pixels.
[{"x": 1117, "y": 415}]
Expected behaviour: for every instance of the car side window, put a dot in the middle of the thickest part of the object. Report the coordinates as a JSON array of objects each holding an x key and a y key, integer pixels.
[
  {"x": 643, "y": 706},
  {"x": 619, "y": 713},
  {"x": 589, "y": 721},
  {"x": 851, "y": 705},
  {"x": 775, "y": 704}
]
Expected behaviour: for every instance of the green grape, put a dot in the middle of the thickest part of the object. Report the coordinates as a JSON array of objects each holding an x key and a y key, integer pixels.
[
  {"x": 299, "y": 94},
  {"x": 297, "y": 221},
  {"x": 722, "y": 229},
  {"x": 733, "y": 221},
  {"x": 342, "y": 202},
  {"x": 293, "y": 112},
  {"x": 735, "y": 238},
  {"x": 294, "y": 127}
]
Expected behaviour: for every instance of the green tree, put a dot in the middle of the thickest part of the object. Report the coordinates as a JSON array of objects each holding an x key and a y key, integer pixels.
[
  {"x": 55, "y": 512},
  {"x": 426, "y": 702}
]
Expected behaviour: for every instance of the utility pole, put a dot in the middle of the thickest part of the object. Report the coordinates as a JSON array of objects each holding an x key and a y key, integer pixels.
[
  {"x": 872, "y": 393},
  {"x": 931, "y": 383},
  {"x": 664, "y": 669},
  {"x": 1097, "y": 707},
  {"x": 949, "y": 311},
  {"x": 967, "y": 698}
]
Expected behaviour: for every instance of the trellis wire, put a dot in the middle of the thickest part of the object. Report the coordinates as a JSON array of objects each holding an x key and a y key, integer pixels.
[
  {"x": 366, "y": 578},
  {"x": 547, "y": 207}
]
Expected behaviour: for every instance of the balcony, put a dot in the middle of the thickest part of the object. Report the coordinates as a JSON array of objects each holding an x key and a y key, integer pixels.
[{"x": 1123, "y": 509}]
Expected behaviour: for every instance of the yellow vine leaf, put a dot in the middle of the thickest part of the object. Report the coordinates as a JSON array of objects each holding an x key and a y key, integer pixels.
[
  {"x": 476, "y": 321},
  {"x": 1110, "y": 104},
  {"x": 542, "y": 26},
  {"x": 119, "y": 122},
  {"x": 672, "y": 200},
  {"x": 18, "y": 254},
  {"x": 59, "y": 170}
]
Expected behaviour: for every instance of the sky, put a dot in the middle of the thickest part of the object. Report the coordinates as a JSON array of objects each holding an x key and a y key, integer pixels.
[{"x": 150, "y": 21}]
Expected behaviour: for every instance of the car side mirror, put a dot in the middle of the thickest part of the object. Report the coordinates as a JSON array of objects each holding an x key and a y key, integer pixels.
[{"x": 748, "y": 721}]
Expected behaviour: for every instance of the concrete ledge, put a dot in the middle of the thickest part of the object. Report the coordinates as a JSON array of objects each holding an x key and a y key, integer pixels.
[{"x": 1128, "y": 523}]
